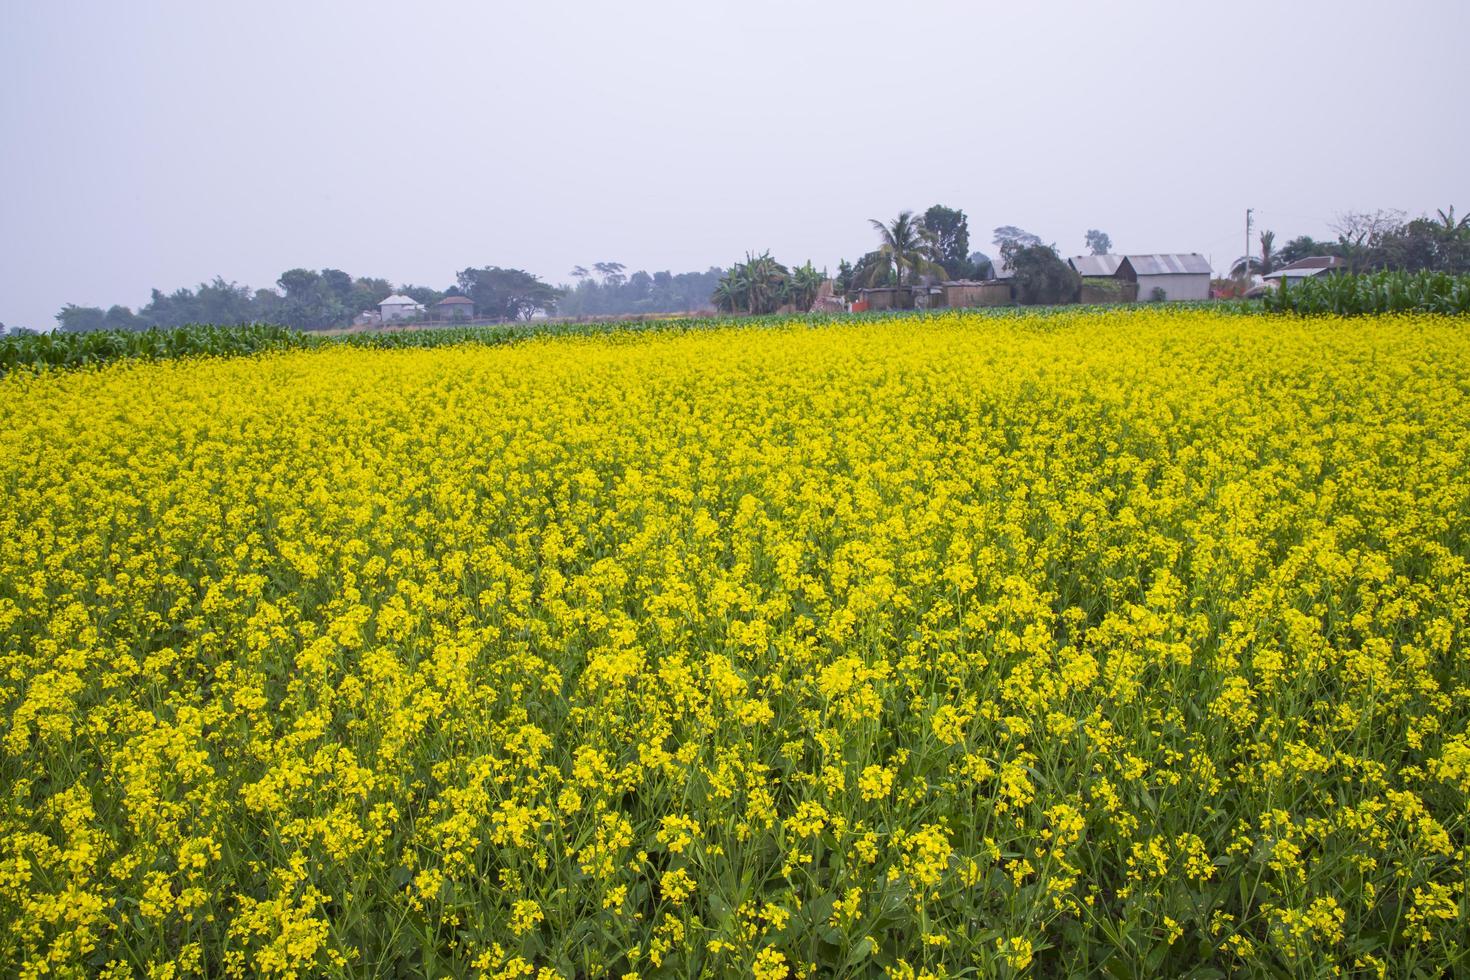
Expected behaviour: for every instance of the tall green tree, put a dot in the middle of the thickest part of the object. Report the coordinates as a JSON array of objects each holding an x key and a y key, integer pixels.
[
  {"x": 951, "y": 234},
  {"x": 907, "y": 246},
  {"x": 312, "y": 301},
  {"x": 367, "y": 293},
  {"x": 509, "y": 294},
  {"x": 1041, "y": 276},
  {"x": 81, "y": 319}
]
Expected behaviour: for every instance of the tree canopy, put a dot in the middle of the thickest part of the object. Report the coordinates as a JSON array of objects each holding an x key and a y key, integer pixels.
[
  {"x": 951, "y": 237},
  {"x": 1098, "y": 242},
  {"x": 509, "y": 294},
  {"x": 761, "y": 285},
  {"x": 1041, "y": 276},
  {"x": 1009, "y": 239},
  {"x": 908, "y": 246}
]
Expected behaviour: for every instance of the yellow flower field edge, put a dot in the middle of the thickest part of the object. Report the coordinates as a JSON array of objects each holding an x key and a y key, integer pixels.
[{"x": 1102, "y": 644}]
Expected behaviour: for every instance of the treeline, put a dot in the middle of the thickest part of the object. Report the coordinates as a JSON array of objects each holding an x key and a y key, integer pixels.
[
  {"x": 303, "y": 298},
  {"x": 330, "y": 298},
  {"x": 314, "y": 300},
  {"x": 607, "y": 289}
]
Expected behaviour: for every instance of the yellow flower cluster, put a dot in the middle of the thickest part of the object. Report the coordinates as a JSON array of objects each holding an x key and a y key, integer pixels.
[{"x": 1074, "y": 644}]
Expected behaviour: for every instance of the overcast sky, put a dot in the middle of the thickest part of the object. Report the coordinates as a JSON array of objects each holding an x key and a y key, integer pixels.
[{"x": 163, "y": 143}]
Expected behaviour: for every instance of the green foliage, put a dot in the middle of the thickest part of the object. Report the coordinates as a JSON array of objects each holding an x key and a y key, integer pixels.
[
  {"x": 872, "y": 269},
  {"x": 1302, "y": 247},
  {"x": 507, "y": 294},
  {"x": 760, "y": 285},
  {"x": 1105, "y": 284},
  {"x": 1010, "y": 239},
  {"x": 612, "y": 294},
  {"x": 908, "y": 245},
  {"x": 1042, "y": 276},
  {"x": 951, "y": 231},
  {"x": 81, "y": 319},
  {"x": 72, "y": 350},
  {"x": 1379, "y": 292},
  {"x": 1426, "y": 244}
]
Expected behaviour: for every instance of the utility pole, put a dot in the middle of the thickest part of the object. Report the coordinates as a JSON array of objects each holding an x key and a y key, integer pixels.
[{"x": 1247, "y": 253}]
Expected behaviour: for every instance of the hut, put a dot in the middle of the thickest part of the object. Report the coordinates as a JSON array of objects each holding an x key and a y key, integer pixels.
[
  {"x": 888, "y": 297},
  {"x": 455, "y": 308}
]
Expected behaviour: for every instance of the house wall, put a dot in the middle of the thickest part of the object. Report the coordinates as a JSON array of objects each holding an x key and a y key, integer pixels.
[
  {"x": 397, "y": 312},
  {"x": 1175, "y": 287},
  {"x": 896, "y": 298},
  {"x": 979, "y": 294}
]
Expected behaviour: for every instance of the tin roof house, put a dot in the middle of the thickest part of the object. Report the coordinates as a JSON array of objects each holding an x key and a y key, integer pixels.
[
  {"x": 1308, "y": 268},
  {"x": 1167, "y": 275},
  {"x": 455, "y": 308},
  {"x": 399, "y": 307},
  {"x": 1177, "y": 275}
]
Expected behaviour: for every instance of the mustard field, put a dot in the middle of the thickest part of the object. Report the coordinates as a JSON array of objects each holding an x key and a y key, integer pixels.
[{"x": 1125, "y": 644}]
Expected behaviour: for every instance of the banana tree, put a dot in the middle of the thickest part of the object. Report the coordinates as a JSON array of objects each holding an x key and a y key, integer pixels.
[{"x": 803, "y": 286}]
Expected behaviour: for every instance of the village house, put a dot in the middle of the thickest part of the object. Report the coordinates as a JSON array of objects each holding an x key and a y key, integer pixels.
[
  {"x": 1178, "y": 275},
  {"x": 399, "y": 307},
  {"x": 1307, "y": 268},
  {"x": 455, "y": 308},
  {"x": 1168, "y": 276}
]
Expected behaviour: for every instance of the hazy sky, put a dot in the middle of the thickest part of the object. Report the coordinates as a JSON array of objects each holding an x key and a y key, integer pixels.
[{"x": 160, "y": 144}]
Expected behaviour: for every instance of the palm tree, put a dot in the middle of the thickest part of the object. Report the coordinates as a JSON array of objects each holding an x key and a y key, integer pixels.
[
  {"x": 1263, "y": 263},
  {"x": 1449, "y": 225},
  {"x": 907, "y": 244}
]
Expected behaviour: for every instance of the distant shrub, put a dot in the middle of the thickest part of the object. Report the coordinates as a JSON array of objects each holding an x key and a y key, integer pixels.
[
  {"x": 1105, "y": 284},
  {"x": 1157, "y": 295}
]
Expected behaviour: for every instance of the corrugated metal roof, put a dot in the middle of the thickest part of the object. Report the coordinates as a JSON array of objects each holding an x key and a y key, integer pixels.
[
  {"x": 1314, "y": 262},
  {"x": 1096, "y": 265},
  {"x": 1294, "y": 271},
  {"x": 1169, "y": 264},
  {"x": 399, "y": 300},
  {"x": 455, "y": 301}
]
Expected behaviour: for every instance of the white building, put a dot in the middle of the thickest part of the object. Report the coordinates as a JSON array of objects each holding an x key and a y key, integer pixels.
[
  {"x": 1180, "y": 275},
  {"x": 399, "y": 307}
]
